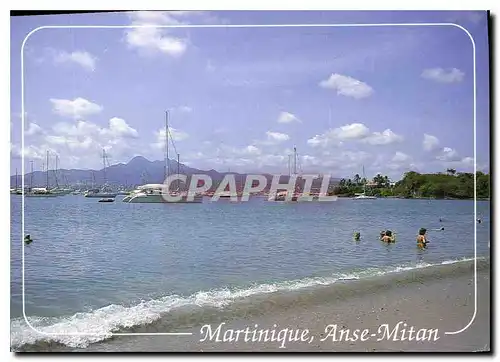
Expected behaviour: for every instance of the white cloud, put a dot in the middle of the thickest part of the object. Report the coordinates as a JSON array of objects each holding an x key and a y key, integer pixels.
[
  {"x": 77, "y": 108},
  {"x": 174, "y": 134},
  {"x": 451, "y": 159},
  {"x": 351, "y": 131},
  {"x": 119, "y": 128},
  {"x": 347, "y": 86},
  {"x": 287, "y": 117},
  {"x": 30, "y": 152},
  {"x": 441, "y": 75},
  {"x": 354, "y": 131},
  {"x": 337, "y": 135},
  {"x": 383, "y": 138},
  {"x": 277, "y": 137},
  {"x": 251, "y": 150},
  {"x": 150, "y": 40},
  {"x": 448, "y": 154},
  {"x": 80, "y": 143},
  {"x": 155, "y": 40},
  {"x": 430, "y": 143},
  {"x": 33, "y": 129},
  {"x": 82, "y": 58},
  {"x": 468, "y": 161},
  {"x": 400, "y": 157},
  {"x": 324, "y": 140}
]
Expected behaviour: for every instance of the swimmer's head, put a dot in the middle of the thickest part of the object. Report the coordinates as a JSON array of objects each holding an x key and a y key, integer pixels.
[
  {"x": 388, "y": 233},
  {"x": 422, "y": 231}
]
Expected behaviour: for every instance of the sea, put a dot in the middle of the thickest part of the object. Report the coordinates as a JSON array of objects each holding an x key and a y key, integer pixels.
[{"x": 94, "y": 269}]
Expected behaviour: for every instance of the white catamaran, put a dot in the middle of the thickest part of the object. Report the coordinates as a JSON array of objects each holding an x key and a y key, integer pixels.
[
  {"x": 154, "y": 193},
  {"x": 364, "y": 196}
]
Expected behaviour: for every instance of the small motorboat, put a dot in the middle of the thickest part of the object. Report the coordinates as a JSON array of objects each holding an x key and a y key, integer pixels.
[{"x": 107, "y": 200}]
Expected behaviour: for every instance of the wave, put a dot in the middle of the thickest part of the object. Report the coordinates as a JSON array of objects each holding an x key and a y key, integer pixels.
[{"x": 82, "y": 329}]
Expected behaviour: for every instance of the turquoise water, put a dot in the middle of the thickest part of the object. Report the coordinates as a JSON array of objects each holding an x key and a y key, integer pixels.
[{"x": 101, "y": 266}]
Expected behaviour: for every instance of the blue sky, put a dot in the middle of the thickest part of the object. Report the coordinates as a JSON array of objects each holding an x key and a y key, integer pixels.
[{"x": 390, "y": 98}]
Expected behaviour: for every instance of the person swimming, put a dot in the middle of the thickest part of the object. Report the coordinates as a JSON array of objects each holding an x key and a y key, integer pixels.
[
  {"x": 357, "y": 236},
  {"x": 388, "y": 237},
  {"x": 382, "y": 234},
  {"x": 421, "y": 239},
  {"x": 27, "y": 239},
  {"x": 479, "y": 221}
]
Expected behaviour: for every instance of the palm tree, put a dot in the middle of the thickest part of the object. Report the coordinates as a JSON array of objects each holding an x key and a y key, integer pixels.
[
  {"x": 379, "y": 180},
  {"x": 387, "y": 182},
  {"x": 357, "y": 179}
]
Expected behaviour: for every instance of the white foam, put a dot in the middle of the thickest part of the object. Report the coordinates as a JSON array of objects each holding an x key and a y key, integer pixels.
[{"x": 99, "y": 324}]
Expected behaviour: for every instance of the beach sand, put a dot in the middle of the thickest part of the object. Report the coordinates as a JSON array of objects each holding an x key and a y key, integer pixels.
[{"x": 438, "y": 297}]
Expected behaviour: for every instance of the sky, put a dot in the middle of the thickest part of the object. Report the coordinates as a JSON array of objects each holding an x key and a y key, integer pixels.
[{"x": 389, "y": 99}]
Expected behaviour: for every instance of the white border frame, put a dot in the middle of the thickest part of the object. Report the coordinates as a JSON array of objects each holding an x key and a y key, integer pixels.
[{"x": 236, "y": 26}]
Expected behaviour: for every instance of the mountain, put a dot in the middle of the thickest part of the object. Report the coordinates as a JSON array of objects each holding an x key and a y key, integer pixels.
[{"x": 137, "y": 171}]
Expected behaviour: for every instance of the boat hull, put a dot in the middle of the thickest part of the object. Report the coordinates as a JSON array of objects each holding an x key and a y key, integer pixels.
[
  {"x": 41, "y": 195},
  {"x": 101, "y": 195},
  {"x": 159, "y": 199}
]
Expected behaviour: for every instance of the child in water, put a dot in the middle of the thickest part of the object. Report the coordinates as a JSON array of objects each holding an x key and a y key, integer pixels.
[
  {"x": 421, "y": 239},
  {"x": 382, "y": 234},
  {"x": 388, "y": 237}
]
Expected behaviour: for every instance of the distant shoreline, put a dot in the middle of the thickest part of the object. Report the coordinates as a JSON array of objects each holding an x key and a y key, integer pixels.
[{"x": 421, "y": 198}]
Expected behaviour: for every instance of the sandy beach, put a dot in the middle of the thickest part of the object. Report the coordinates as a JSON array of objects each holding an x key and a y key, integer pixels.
[{"x": 437, "y": 298}]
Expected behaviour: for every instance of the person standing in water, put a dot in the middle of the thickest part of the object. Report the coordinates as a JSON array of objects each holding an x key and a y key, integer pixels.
[
  {"x": 382, "y": 234},
  {"x": 388, "y": 237},
  {"x": 421, "y": 238}
]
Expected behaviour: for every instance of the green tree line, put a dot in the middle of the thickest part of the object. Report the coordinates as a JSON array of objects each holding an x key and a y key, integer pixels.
[{"x": 415, "y": 185}]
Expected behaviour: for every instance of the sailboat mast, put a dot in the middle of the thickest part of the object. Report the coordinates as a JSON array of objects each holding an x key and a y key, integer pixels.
[
  {"x": 295, "y": 160},
  {"x": 47, "y": 170},
  {"x": 364, "y": 184},
  {"x": 178, "y": 171},
  {"x": 55, "y": 172},
  {"x": 167, "y": 168},
  {"x": 31, "y": 177},
  {"x": 104, "y": 164}
]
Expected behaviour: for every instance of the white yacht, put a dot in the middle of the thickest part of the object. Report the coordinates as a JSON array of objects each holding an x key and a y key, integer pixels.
[
  {"x": 364, "y": 196},
  {"x": 154, "y": 193},
  {"x": 40, "y": 192}
]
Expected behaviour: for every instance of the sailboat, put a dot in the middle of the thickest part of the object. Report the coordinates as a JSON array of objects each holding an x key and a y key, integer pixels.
[
  {"x": 363, "y": 196},
  {"x": 16, "y": 190},
  {"x": 282, "y": 195},
  {"x": 104, "y": 191},
  {"x": 154, "y": 193},
  {"x": 40, "y": 191},
  {"x": 58, "y": 189}
]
